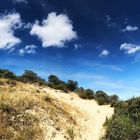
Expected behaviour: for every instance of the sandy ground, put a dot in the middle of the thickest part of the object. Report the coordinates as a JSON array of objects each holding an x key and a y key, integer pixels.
[{"x": 93, "y": 118}]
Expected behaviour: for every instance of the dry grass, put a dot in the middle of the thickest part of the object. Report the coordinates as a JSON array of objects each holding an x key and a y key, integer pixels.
[
  {"x": 23, "y": 108},
  {"x": 71, "y": 133},
  {"x": 15, "y": 122}
]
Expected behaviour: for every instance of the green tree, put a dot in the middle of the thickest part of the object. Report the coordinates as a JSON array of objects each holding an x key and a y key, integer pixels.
[
  {"x": 102, "y": 98},
  {"x": 7, "y": 74},
  {"x": 114, "y": 98},
  {"x": 31, "y": 77},
  {"x": 53, "y": 79},
  {"x": 85, "y": 93},
  {"x": 72, "y": 85}
]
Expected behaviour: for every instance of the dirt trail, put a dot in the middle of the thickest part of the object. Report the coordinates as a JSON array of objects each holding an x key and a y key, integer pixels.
[{"x": 94, "y": 115}]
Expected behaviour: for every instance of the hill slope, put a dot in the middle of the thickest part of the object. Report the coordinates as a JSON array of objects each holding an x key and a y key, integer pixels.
[{"x": 30, "y": 112}]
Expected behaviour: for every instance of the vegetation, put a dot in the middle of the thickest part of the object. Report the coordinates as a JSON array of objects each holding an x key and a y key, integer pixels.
[
  {"x": 125, "y": 123},
  {"x": 102, "y": 98},
  {"x": 70, "y": 132},
  {"x": 31, "y": 77},
  {"x": 7, "y": 74},
  {"x": 54, "y": 82},
  {"x": 72, "y": 85},
  {"x": 23, "y": 109},
  {"x": 85, "y": 93},
  {"x": 17, "y": 123}
]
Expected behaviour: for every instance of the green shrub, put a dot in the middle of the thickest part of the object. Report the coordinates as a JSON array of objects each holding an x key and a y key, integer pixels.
[
  {"x": 102, "y": 98},
  {"x": 31, "y": 77},
  {"x": 72, "y": 85},
  {"x": 135, "y": 132},
  {"x": 50, "y": 85},
  {"x": 125, "y": 123},
  {"x": 62, "y": 87},
  {"x": 101, "y": 101},
  {"x": 85, "y": 93},
  {"x": 5, "y": 107},
  {"x": 53, "y": 79},
  {"x": 7, "y": 74},
  {"x": 113, "y": 103},
  {"x": 118, "y": 128},
  {"x": 114, "y": 98},
  {"x": 70, "y": 132},
  {"x": 54, "y": 82}
]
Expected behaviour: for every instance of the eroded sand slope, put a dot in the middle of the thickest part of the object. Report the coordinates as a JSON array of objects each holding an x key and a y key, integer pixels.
[{"x": 93, "y": 116}]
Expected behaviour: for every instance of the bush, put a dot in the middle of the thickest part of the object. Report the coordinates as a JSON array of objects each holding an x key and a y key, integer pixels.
[
  {"x": 90, "y": 93},
  {"x": 113, "y": 103},
  {"x": 70, "y": 132},
  {"x": 72, "y": 85},
  {"x": 118, "y": 128},
  {"x": 5, "y": 107},
  {"x": 62, "y": 87},
  {"x": 53, "y": 80},
  {"x": 114, "y": 98},
  {"x": 31, "y": 77},
  {"x": 85, "y": 94},
  {"x": 102, "y": 98},
  {"x": 125, "y": 123},
  {"x": 50, "y": 85},
  {"x": 7, "y": 74},
  {"x": 101, "y": 101}
]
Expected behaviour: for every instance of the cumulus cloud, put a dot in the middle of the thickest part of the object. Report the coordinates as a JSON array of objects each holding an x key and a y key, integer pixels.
[
  {"x": 19, "y": 1},
  {"x": 55, "y": 31},
  {"x": 130, "y": 28},
  {"x": 104, "y": 53},
  {"x": 130, "y": 48},
  {"x": 29, "y": 49},
  {"x": 8, "y": 24}
]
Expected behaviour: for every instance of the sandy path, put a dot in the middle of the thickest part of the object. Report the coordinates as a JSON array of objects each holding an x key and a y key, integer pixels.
[{"x": 94, "y": 115}]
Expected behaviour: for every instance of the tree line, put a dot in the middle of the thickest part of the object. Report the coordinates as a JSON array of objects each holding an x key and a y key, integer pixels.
[{"x": 54, "y": 82}]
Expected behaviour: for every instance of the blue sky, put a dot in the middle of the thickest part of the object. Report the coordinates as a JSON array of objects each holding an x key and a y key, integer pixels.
[{"x": 94, "y": 42}]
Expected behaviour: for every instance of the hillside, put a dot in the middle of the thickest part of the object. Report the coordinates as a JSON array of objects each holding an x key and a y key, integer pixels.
[{"x": 32, "y": 112}]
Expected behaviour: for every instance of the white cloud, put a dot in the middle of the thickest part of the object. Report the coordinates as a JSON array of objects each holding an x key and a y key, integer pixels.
[
  {"x": 104, "y": 53},
  {"x": 108, "y": 18},
  {"x": 55, "y": 31},
  {"x": 29, "y": 49},
  {"x": 8, "y": 24},
  {"x": 77, "y": 46},
  {"x": 27, "y": 25},
  {"x": 130, "y": 28},
  {"x": 19, "y": 1},
  {"x": 109, "y": 21},
  {"x": 130, "y": 48}
]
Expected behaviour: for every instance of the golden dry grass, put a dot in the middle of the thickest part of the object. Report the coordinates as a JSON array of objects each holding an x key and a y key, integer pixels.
[{"x": 23, "y": 108}]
